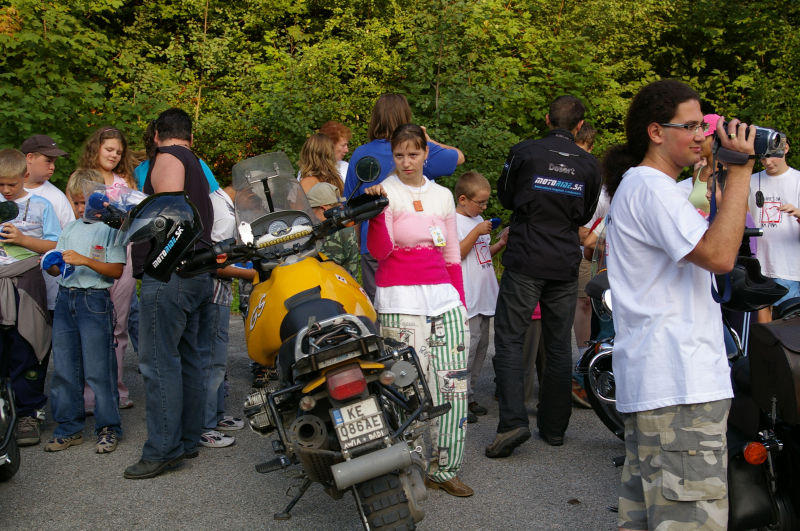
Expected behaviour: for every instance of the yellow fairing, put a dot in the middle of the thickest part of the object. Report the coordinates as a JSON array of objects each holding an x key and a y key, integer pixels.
[{"x": 267, "y": 309}]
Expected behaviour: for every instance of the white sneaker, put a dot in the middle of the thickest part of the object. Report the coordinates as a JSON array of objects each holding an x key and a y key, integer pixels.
[
  {"x": 215, "y": 439},
  {"x": 229, "y": 423}
]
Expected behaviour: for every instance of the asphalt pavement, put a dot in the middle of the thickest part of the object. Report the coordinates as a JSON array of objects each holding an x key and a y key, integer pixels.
[{"x": 538, "y": 487}]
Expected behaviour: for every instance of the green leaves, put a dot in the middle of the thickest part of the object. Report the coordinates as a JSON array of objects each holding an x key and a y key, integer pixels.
[{"x": 264, "y": 74}]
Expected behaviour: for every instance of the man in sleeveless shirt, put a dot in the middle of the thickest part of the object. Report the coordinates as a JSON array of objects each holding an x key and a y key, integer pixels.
[{"x": 175, "y": 324}]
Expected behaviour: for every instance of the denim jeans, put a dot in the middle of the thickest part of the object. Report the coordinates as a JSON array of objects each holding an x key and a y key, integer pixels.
[
  {"x": 175, "y": 330},
  {"x": 515, "y": 304},
  {"x": 83, "y": 350},
  {"x": 215, "y": 384}
]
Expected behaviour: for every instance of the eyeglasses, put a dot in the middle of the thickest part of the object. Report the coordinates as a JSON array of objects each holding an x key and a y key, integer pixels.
[
  {"x": 692, "y": 127},
  {"x": 483, "y": 204}
]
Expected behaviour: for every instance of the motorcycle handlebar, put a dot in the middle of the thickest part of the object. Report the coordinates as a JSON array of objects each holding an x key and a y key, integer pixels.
[
  {"x": 358, "y": 209},
  {"x": 753, "y": 233},
  {"x": 228, "y": 251}
]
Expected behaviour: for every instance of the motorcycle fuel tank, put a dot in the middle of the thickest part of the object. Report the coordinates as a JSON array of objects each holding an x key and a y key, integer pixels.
[{"x": 267, "y": 301}]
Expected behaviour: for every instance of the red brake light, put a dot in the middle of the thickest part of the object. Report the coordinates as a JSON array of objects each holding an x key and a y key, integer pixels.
[
  {"x": 346, "y": 382},
  {"x": 755, "y": 453}
]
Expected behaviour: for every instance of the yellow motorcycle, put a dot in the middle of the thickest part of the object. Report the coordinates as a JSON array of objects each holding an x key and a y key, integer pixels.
[{"x": 346, "y": 403}]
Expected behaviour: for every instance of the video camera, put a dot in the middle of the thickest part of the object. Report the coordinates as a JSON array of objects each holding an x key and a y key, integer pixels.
[{"x": 768, "y": 142}]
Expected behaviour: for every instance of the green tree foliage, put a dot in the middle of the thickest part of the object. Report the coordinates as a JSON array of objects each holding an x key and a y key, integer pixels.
[{"x": 261, "y": 75}]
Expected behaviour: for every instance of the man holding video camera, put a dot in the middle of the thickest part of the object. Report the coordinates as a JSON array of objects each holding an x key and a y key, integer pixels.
[{"x": 670, "y": 367}]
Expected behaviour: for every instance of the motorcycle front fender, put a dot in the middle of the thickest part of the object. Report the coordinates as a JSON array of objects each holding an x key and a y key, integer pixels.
[{"x": 595, "y": 351}]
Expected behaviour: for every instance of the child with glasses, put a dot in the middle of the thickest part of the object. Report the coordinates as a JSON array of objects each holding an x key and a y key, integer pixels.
[{"x": 472, "y": 193}]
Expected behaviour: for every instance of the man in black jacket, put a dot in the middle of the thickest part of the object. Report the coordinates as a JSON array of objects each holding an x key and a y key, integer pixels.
[{"x": 552, "y": 186}]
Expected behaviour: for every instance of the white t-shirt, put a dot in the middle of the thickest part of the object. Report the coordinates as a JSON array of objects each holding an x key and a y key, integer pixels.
[
  {"x": 224, "y": 226},
  {"x": 603, "y": 201},
  {"x": 480, "y": 282},
  {"x": 668, "y": 348},
  {"x": 58, "y": 199},
  {"x": 779, "y": 249},
  {"x": 686, "y": 186}
]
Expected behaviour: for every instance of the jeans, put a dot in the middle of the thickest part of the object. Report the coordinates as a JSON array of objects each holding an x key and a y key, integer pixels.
[
  {"x": 83, "y": 350},
  {"x": 215, "y": 383},
  {"x": 27, "y": 374},
  {"x": 516, "y": 301},
  {"x": 175, "y": 321},
  {"x": 133, "y": 322}
]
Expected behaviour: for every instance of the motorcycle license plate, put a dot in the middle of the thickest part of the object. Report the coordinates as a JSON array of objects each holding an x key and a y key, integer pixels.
[{"x": 359, "y": 423}]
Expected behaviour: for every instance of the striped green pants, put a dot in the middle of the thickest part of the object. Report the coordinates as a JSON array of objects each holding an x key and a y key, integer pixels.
[{"x": 442, "y": 343}]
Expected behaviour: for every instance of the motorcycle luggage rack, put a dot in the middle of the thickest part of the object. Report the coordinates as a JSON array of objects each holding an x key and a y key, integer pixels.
[{"x": 363, "y": 342}]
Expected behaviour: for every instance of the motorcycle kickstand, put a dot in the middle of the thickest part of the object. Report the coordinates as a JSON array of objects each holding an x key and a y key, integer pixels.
[{"x": 285, "y": 514}]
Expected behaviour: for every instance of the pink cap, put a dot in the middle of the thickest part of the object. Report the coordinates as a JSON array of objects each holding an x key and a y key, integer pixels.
[{"x": 711, "y": 120}]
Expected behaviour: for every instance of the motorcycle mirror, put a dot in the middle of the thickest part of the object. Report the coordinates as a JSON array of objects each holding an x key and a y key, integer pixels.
[{"x": 368, "y": 169}]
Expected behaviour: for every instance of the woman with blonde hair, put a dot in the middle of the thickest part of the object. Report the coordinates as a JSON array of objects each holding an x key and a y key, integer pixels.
[
  {"x": 317, "y": 163},
  {"x": 106, "y": 151}
]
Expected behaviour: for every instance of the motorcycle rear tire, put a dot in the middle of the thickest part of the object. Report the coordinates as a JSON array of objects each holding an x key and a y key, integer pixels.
[
  {"x": 607, "y": 413},
  {"x": 384, "y": 503},
  {"x": 786, "y": 517},
  {"x": 8, "y": 470}
]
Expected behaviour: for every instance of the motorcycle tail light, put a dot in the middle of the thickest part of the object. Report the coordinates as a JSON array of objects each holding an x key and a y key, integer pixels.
[
  {"x": 346, "y": 382},
  {"x": 755, "y": 453}
]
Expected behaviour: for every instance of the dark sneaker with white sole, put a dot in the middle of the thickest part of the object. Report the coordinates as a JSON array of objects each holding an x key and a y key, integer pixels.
[{"x": 28, "y": 433}]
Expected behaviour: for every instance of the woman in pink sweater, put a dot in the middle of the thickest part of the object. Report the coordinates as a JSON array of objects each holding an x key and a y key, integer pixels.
[{"x": 420, "y": 295}]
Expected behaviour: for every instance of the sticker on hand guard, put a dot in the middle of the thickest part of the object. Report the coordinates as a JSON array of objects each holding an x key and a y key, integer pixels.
[
  {"x": 452, "y": 382},
  {"x": 340, "y": 277},
  {"x": 558, "y": 186}
]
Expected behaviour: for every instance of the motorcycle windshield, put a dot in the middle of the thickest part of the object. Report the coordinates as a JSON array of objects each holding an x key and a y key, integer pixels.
[{"x": 270, "y": 204}]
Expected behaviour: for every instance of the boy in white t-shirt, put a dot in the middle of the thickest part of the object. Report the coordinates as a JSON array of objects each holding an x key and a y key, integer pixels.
[
  {"x": 472, "y": 193},
  {"x": 778, "y": 215},
  {"x": 41, "y": 153}
]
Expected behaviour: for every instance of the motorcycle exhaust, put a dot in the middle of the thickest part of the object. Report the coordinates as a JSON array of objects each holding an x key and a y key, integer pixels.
[
  {"x": 308, "y": 431},
  {"x": 371, "y": 465}
]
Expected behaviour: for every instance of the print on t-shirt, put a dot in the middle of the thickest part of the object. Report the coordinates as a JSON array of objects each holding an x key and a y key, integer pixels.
[
  {"x": 482, "y": 251},
  {"x": 770, "y": 213}
]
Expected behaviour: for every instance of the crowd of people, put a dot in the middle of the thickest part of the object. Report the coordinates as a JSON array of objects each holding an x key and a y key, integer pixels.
[{"x": 426, "y": 262}]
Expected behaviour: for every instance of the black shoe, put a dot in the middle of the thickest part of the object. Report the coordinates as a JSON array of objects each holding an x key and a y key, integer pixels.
[
  {"x": 477, "y": 409},
  {"x": 504, "y": 443},
  {"x": 145, "y": 469},
  {"x": 552, "y": 440},
  {"x": 471, "y": 418},
  {"x": 191, "y": 455}
]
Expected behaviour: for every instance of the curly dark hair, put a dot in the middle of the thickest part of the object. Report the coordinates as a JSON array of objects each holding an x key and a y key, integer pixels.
[{"x": 657, "y": 102}]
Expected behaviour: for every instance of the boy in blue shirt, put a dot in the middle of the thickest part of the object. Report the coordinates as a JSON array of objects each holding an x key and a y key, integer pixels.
[
  {"x": 83, "y": 325},
  {"x": 26, "y": 331}
]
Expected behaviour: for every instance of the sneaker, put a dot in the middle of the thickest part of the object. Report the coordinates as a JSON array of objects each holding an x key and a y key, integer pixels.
[
  {"x": 28, "y": 431},
  {"x": 478, "y": 409},
  {"x": 504, "y": 443},
  {"x": 579, "y": 395},
  {"x": 125, "y": 403},
  {"x": 215, "y": 439},
  {"x": 57, "y": 444},
  {"x": 106, "y": 441},
  {"x": 471, "y": 418},
  {"x": 229, "y": 423}
]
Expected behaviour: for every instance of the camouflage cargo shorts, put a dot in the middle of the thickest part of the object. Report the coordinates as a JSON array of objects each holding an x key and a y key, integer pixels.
[{"x": 675, "y": 473}]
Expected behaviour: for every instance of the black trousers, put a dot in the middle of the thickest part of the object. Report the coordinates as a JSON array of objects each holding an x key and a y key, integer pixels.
[{"x": 516, "y": 301}]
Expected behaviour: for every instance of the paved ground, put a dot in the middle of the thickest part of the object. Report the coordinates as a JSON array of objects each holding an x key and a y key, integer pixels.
[{"x": 539, "y": 487}]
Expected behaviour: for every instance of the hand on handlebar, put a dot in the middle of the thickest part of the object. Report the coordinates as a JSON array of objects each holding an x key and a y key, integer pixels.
[{"x": 375, "y": 190}]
